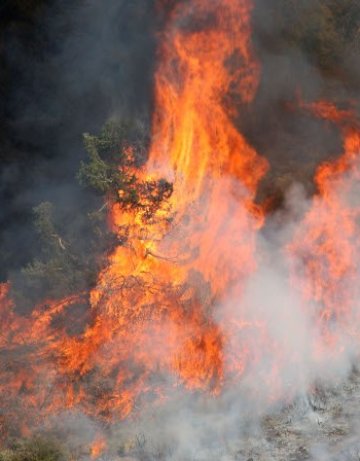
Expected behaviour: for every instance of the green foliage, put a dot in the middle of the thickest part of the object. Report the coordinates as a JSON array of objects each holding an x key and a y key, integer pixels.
[
  {"x": 114, "y": 157},
  {"x": 33, "y": 449},
  {"x": 73, "y": 248},
  {"x": 46, "y": 229},
  {"x": 120, "y": 147},
  {"x": 62, "y": 265}
]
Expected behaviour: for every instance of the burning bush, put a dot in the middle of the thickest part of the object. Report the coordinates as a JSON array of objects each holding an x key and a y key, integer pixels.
[{"x": 186, "y": 300}]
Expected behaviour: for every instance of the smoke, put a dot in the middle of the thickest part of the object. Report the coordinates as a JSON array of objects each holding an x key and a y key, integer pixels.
[
  {"x": 297, "y": 397},
  {"x": 66, "y": 68},
  {"x": 292, "y": 400},
  {"x": 304, "y": 52}
]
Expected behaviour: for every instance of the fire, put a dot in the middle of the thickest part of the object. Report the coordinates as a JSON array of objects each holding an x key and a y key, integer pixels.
[
  {"x": 97, "y": 447},
  {"x": 202, "y": 238},
  {"x": 30, "y": 368},
  {"x": 152, "y": 307},
  {"x": 190, "y": 246},
  {"x": 327, "y": 240}
]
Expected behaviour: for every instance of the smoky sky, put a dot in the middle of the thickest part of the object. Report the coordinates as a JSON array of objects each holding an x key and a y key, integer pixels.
[
  {"x": 67, "y": 66},
  {"x": 301, "y": 58}
]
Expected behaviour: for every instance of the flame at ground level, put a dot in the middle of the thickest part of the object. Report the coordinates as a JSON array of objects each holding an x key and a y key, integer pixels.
[{"x": 175, "y": 308}]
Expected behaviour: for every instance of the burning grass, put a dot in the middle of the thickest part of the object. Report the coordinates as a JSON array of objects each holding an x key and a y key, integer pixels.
[{"x": 194, "y": 300}]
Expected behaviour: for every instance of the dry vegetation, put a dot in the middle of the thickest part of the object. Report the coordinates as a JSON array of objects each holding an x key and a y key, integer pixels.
[{"x": 328, "y": 33}]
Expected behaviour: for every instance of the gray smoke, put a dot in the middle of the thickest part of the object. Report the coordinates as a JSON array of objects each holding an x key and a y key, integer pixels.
[
  {"x": 66, "y": 68},
  {"x": 98, "y": 61}
]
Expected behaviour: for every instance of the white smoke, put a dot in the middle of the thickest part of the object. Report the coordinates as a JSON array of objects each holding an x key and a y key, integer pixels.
[{"x": 289, "y": 403}]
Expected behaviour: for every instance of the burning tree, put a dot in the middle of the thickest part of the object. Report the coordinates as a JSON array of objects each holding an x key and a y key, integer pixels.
[{"x": 173, "y": 305}]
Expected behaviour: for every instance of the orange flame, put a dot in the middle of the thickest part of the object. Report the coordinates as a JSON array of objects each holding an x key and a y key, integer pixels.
[
  {"x": 203, "y": 237},
  {"x": 152, "y": 307},
  {"x": 327, "y": 242},
  {"x": 153, "y": 324},
  {"x": 97, "y": 447}
]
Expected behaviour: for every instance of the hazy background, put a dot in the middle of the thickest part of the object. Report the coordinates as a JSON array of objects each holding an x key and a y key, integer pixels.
[{"x": 66, "y": 66}]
